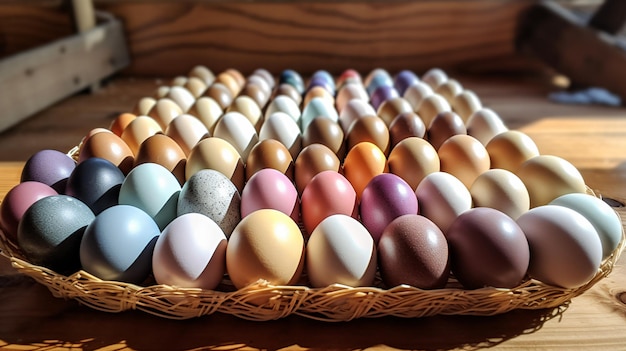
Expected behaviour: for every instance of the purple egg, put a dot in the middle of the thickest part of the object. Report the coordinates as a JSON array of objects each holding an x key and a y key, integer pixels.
[
  {"x": 321, "y": 82},
  {"x": 385, "y": 198},
  {"x": 403, "y": 80},
  {"x": 50, "y": 167},
  {"x": 382, "y": 94}
]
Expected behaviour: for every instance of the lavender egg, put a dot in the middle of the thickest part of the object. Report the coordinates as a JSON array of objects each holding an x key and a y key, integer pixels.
[
  {"x": 50, "y": 167},
  {"x": 382, "y": 94},
  {"x": 403, "y": 80}
]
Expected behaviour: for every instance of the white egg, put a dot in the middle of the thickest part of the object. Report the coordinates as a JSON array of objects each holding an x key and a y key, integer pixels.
[
  {"x": 280, "y": 126},
  {"x": 484, "y": 124},
  {"x": 442, "y": 198},
  {"x": 235, "y": 128}
]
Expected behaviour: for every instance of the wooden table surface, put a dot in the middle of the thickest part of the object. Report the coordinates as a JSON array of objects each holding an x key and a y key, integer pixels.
[{"x": 593, "y": 138}]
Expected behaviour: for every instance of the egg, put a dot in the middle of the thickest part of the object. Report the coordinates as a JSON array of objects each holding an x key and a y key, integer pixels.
[
  {"x": 164, "y": 151},
  {"x": 487, "y": 249},
  {"x": 164, "y": 111},
  {"x": 412, "y": 160},
  {"x": 442, "y": 198},
  {"x": 466, "y": 104},
  {"x": 391, "y": 108},
  {"x": 322, "y": 130},
  {"x": 484, "y": 124},
  {"x": 249, "y": 108},
  {"x": 434, "y": 77},
  {"x": 230, "y": 81},
  {"x": 269, "y": 188},
  {"x": 292, "y": 78},
  {"x": 220, "y": 155},
  {"x": 327, "y": 258},
  {"x": 385, "y": 198},
  {"x": 565, "y": 248},
  {"x": 369, "y": 128},
  {"x": 443, "y": 126},
  {"x": 50, "y": 167},
  {"x": 464, "y": 157},
  {"x": 509, "y": 149},
  {"x": 235, "y": 73},
  {"x": 236, "y": 129},
  {"x": 405, "y": 125},
  {"x": 362, "y": 163},
  {"x": 16, "y": 201},
  {"x": 50, "y": 232},
  {"x": 140, "y": 129},
  {"x": 349, "y": 76},
  {"x": 318, "y": 106},
  {"x": 416, "y": 94},
  {"x": 187, "y": 131},
  {"x": 325, "y": 77},
  {"x": 603, "y": 218},
  {"x": 403, "y": 80},
  {"x": 190, "y": 253},
  {"x": 349, "y": 92},
  {"x": 261, "y": 83},
  {"x": 153, "y": 189},
  {"x": 109, "y": 147},
  {"x": 547, "y": 177},
  {"x": 449, "y": 90},
  {"x": 431, "y": 106},
  {"x": 203, "y": 73},
  {"x": 120, "y": 123},
  {"x": 208, "y": 111},
  {"x": 354, "y": 109},
  {"x": 267, "y": 75},
  {"x": 265, "y": 245},
  {"x": 382, "y": 94},
  {"x": 281, "y": 127},
  {"x": 377, "y": 78},
  {"x": 285, "y": 104},
  {"x": 289, "y": 91},
  {"x": 182, "y": 97},
  {"x": 255, "y": 92},
  {"x": 412, "y": 250},
  {"x": 327, "y": 193},
  {"x": 96, "y": 182},
  {"x": 312, "y": 160},
  {"x": 212, "y": 194},
  {"x": 269, "y": 153},
  {"x": 118, "y": 245},
  {"x": 220, "y": 93},
  {"x": 502, "y": 190},
  {"x": 161, "y": 92},
  {"x": 318, "y": 92},
  {"x": 196, "y": 86},
  {"x": 143, "y": 106}
]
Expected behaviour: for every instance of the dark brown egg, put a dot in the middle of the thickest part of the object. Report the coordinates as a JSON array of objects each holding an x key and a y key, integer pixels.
[
  {"x": 443, "y": 126},
  {"x": 405, "y": 125},
  {"x": 372, "y": 129},
  {"x": 312, "y": 160},
  {"x": 270, "y": 153},
  {"x": 323, "y": 130},
  {"x": 163, "y": 150}
]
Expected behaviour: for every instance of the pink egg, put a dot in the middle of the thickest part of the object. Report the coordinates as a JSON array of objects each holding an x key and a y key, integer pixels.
[
  {"x": 270, "y": 189},
  {"x": 17, "y": 201}
]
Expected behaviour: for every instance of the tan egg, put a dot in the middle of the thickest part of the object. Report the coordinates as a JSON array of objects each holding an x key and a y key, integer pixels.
[
  {"x": 318, "y": 91},
  {"x": 220, "y": 93},
  {"x": 207, "y": 110},
  {"x": 110, "y": 147},
  {"x": 354, "y": 109},
  {"x": 416, "y": 93},
  {"x": 466, "y": 103},
  {"x": 256, "y": 93},
  {"x": 323, "y": 130},
  {"x": 230, "y": 82},
  {"x": 163, "y": 150},
  {"x": 138, "y": 130},
  {"x": 182, "y": 97},
  {"x": 164, "y": 111},
  {"x": 391, "y": 108},
  {"x": 269, "y": 153},
  {"x": 547, "y": 177},
  {"x": 196, "y": 86},
  {"x": 249, "y": 108},
  {"x": 187, "y": 131},
  {"x": 312, "y": 160},
  {"x": 484, "y": 124},
  {"x": 443, "y": 126},
  {"x": 179, "y": 81},
  {"x": 261, "y": 83},
  {"x": 502, "y": 190},
  {"x": 217, "y": 154},
  {"x": 161, "y": 92},
  {"x": 238, "y": 131},
  {"x": 509, "y": 149},
  {"x": 412, "y": 160},
  {"x": 348, "y": 92},
  {"x": 239, "y": 78},
  {"x": 432, "y": 105},
  {"x": 202, "y": 72},
  {"x": 464, "y": 157},
  {"x": 290, "y": 91},
  {"x": 406, "y": 125},
  {"x": 449, "y": 90},
  {"x": 369, "y": 128},
  {"x": 435, "y": 77},
  {"x": 120, "y": 122},
  {"x": 143, "y": 106}
]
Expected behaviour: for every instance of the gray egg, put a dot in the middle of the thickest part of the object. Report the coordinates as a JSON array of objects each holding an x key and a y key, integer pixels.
[
  {"x": 51, "y": 230},
  {"x": 212, "y": 194}
]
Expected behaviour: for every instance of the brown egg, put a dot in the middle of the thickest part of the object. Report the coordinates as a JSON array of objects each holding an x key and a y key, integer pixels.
[
  {"x": 464, "y": 157},
  {"x": 139, "y": 130},
  {"x": 182, "y": 97},
  {"x": 203, "y": 73},
  {"x": 432, "y": 106},
  {"x": 312, "y": 160},
  {"x": 466, "y": 103},
  {"x": 270, "y": 153},
  {"x": 449, "y": 90},
  {"x": 196, "y": 86},
  {"x": 144, "y": 105},
  {"x": 325, "y": 131},
  {"x": 163, "y": 150},
  {"x": 239, "y": 78},
  {"x": 509, "y": 149},
  {"x": 289, "y": 90},
  {"x": 249, "y": 108},
  {"x": 406, "y": 125},
  {"x": 416, "y": 93},
  {"x": 208, "y": 111},
  {"x": 318, "y": 91},
  {"x": 443, "y": 126},
  {"x": 261, "y": 83},
  {"x": 164, "y": 111},
  {"x": 363, "y": 162},
  {"x": 412, "y": 160},
  {"x": 256, "y": 93},
  {"x": 186, "y": 131},
  {"x": 267, "y": 75},
  {"x": 221, "y": 94},
  {"x": 217, "y": 154},
  {"x": 369, "y": 128},
  {"x": 230, "y": 82},
  {"x": 120, "y": 122},
  {"x": 391, "y": 108},
  {"x": 110, "y": 147},
  {"x": 348, "y": 92}
]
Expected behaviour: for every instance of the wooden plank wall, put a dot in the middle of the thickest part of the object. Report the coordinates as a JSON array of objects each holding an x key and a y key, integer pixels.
[{"x": 167, "y": 38}]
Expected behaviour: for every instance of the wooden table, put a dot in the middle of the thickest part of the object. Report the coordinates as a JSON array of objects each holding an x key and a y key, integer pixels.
[{"x": 592, "y": 138}]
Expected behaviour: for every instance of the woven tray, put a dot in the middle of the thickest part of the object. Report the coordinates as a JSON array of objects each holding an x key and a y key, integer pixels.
[{"x": 261, "y": 301}]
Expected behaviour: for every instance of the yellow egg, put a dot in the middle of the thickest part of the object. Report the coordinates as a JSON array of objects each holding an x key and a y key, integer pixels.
[
  {"x": 509, "y": 149},
  {"x": 412, "y": 160}
]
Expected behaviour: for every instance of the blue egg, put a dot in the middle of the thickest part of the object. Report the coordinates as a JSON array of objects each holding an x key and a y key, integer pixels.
[
  {"x": 51, "y": 230},
  {"x": 379, "y": 79},
  {"x": 326, "y": 76},
  {"x": 403, "y": 80},
  {"x": 318, "y": 106},
  {"x": 292, "y": 78},
  {"x": 322, "y": 82},
  {"x": 96, "y": 182},
  {"x": 50, "y": 167},
  {"x": 118, "y": 244}
]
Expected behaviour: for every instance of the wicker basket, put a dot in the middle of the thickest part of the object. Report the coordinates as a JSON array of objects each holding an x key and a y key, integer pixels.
[{"x": 262, "y": 301}]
